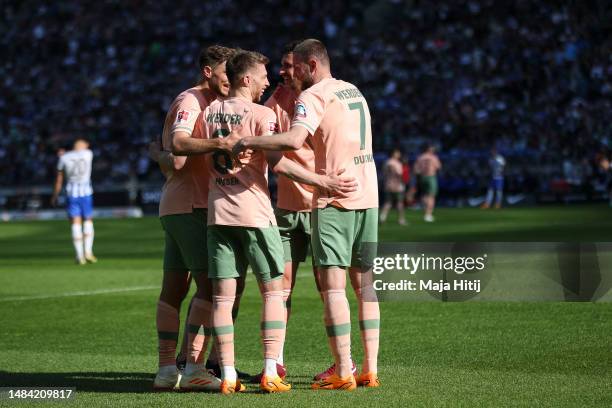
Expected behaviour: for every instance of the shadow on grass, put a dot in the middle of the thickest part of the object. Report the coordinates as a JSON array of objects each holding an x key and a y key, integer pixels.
[
  {"x": 82, "y": 381},
  {"x": 107, "y": 382}
]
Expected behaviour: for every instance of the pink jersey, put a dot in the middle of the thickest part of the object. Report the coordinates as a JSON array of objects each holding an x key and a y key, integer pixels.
[
  {"x": 337, "y": 117},
  {"x": 187, "y": 188},
  {"x": 427, "y": 164},
  {"x": 292, "y": 196},
  {"x": 393, "y": 175},
  {"x": 238, "y": 195}
]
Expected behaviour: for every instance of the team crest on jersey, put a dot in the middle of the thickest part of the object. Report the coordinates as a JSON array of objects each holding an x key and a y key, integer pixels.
[
  {"x": 182, "y": 116},
  {"x": 273, "y": 127},
  {"x": 300, "y": 110}
]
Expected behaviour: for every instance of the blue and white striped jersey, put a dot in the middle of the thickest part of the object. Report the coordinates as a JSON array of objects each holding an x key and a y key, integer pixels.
[
  {"x": 497, "y": 164},
  {"x": 76, "y": 165}
]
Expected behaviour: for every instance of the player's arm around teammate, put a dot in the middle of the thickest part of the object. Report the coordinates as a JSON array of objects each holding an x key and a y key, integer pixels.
[
  {"x": 189, "y": 141},
  {"x": 294, "y": 198},
  {"x": 168, "y": 163},
  {"x": 183, "y": 216},
  {"x": 326, "y": 183},
  {"x": 335, "y": 113},
  {"x": 237, "y": 235}
]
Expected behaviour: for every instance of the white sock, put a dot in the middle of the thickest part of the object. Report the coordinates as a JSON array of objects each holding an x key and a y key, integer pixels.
[
  {"x": 270, "y": 367},
  {"x": 88, "y": 232},
  {"x": 229, "y": 373},
  {"x": 191, "y": 368},
  {"x": 280, "y": 355},
  {"x": 489, "y": 198},
  {"x": 77, "y": 240},
  {"x": 499, "y": 197},
  {"x": 167, "y": 370}
]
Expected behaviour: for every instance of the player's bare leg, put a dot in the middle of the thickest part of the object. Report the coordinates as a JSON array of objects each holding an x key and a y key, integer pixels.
[
  {"x": 409, "y": 198},
  {"x": 385, "y": 211},
  {"x": 369, "y": 324},
  {"x": 338, "y": 326},
  {"x": 401, "y": 219},
  {"x": 429, "y": 203}
]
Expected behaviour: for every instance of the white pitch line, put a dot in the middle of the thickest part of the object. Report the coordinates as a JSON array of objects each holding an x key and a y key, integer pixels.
[
  {"x": 250, "y": 276},
  {"x": 79, "y": 293}
]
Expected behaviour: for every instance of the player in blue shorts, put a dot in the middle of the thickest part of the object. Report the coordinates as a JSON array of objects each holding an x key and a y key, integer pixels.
[
  {"x": 496, "y": 185},
  {"x": 75, "y": 167}
]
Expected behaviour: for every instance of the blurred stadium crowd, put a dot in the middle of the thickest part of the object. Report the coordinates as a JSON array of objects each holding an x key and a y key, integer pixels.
[{"x": 532, "y": 77}]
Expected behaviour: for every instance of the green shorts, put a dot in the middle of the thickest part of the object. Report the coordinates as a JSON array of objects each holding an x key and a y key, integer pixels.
[
  {"x": 393, "y": 197},
  {"x": 428, "y": 185},
  {"x": 340, "y": 237},
  {"x": 232, "y": 249},
  {"x": 185, "y": 236},
  {"x": 294, "y": 228}
]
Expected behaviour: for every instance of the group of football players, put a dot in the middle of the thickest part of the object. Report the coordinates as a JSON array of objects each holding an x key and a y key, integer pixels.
[{"x": 217, "y": 145}]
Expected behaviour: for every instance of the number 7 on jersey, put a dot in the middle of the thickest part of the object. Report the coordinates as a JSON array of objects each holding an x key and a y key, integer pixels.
[{"x": 362, "y": 123}]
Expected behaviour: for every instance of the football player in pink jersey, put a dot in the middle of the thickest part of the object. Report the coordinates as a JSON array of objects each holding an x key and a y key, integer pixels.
[
  {"x": 426, "y": 168},
  {"x": 393, "y": 172},
  {"x": 294, "y": 200},
  {"x": 242, "y": 227},
  {"x": 344, "y": 226},
  {"x": 182, "y": 213}
]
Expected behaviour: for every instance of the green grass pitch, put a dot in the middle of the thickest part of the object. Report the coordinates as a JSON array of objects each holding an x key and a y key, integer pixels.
[{"x": 93, "y": 327}]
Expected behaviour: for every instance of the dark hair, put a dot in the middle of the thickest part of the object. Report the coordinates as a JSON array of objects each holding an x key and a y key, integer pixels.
[
  {"x": 290, "y": 46},
  {"x": 241, "y": 62},
  {"x": 428, "y": 145},
  {"x": 312, "y": 48},
  {"x": 214, "y": 55}
]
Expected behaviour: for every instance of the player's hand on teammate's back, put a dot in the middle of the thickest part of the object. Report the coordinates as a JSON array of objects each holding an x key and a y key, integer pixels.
[
  {"x": 336, "y": 184},
  {"x": 230, "y": 141},
  {"x": 239, "y": 146}
]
